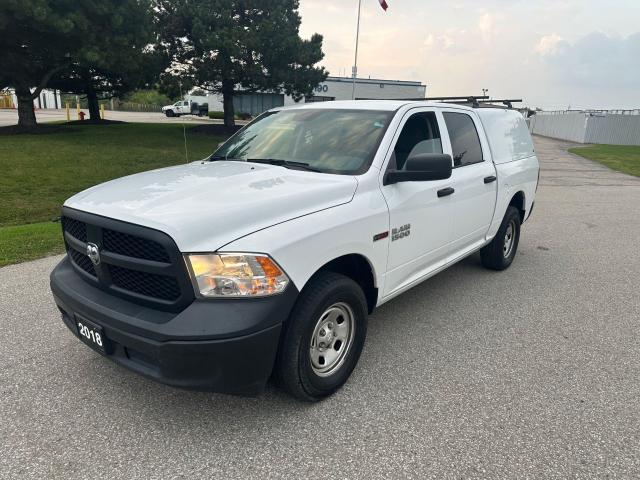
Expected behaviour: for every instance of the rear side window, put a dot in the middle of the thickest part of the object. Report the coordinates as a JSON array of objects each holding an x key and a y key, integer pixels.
[{"x": 465, "y": 142}]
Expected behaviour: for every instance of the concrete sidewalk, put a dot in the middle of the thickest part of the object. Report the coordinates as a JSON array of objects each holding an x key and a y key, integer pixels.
[{"x": 10, "y": 117}]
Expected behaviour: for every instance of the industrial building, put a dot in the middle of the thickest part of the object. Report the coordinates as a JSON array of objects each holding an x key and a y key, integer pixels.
[{"x": 333, "y": 88}]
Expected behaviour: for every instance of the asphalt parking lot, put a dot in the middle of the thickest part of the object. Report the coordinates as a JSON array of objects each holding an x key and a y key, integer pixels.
[{"x": 533, "y": 372}]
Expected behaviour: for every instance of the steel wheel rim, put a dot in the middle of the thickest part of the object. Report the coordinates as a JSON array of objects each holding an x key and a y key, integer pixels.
[
  {"x": 332, "y": 339},
  {"x": 509, "y": 239}
]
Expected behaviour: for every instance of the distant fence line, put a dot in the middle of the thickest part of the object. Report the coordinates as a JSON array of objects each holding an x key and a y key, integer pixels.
[
  {"x": 633, "y": 111},
  {"x": 6, "y": 101},
  {"x": 132, "y": 107},
  {"x": 113, "y": 104},
  {"x": 594, "y": 126}
]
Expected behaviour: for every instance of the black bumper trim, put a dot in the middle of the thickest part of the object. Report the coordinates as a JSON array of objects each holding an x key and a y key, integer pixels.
[{"x": 226, "y": 346}]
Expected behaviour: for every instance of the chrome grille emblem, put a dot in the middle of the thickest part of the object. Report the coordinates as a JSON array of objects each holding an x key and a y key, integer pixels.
[{"x": 93, "y": 253}]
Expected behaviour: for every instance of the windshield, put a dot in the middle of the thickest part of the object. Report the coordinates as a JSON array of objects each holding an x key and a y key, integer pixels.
[{"x": 328, "y": 140}]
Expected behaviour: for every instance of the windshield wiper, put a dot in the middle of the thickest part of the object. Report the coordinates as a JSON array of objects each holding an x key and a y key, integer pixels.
[
  {"x": 213, "y": 158},
  {"x": 285, "y": 163}
]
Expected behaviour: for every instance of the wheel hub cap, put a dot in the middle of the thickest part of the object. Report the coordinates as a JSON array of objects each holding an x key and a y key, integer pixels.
[
  {"x": 508, "y": 239},
  {"x": 331, "y": 339}
]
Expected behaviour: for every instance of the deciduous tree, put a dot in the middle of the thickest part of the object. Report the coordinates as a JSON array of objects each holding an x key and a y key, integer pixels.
[
  {"x": 37, "y": 38},
  {"x": 227, "y": 46},
  {"x": 116, "y": 55},
  {"x": 84, "y": 47}
]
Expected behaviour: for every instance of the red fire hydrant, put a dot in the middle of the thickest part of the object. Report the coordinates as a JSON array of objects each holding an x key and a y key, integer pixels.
[{"x": 81, "y": 115}]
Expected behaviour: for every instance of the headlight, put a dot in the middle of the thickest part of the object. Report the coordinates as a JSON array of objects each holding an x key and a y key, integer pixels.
[{"x": 236, "y": 275}]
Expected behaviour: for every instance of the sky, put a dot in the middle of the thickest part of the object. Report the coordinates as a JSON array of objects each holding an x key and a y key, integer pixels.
[{"x": 555, "y": 54}]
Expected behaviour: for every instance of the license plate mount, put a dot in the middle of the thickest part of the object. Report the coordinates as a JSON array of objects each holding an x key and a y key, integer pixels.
[{"x": 92, "y": 334}]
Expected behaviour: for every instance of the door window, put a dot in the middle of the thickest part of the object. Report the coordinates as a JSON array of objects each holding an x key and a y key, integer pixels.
[
  {"x": 420, "y": 134},
  {"x": 465, "y": 142}
]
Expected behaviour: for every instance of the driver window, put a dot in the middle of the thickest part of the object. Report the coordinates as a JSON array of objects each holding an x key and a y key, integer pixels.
[{"x": 420, "y": 134}]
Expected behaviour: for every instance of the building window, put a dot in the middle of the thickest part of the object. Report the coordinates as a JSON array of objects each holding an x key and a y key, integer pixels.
[{"x": 318, "y": 98}]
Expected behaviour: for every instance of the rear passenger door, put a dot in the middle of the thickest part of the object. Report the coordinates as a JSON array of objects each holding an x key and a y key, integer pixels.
[{"x": 473, "y": 179}]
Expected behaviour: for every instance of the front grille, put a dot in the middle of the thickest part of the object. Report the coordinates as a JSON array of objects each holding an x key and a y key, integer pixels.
[
  {"x": 138, "y": 263},
  {"x": 149, "y": 284},
  {"x": 82, "y": 261},
  {"x": 130, "y": 246},
  {"x": 75, "y": 228}
]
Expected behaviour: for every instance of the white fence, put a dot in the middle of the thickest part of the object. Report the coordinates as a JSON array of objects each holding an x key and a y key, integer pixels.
[{"x": 588, "y": 127}]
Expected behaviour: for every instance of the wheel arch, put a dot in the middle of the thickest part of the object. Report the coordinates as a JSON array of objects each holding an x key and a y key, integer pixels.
[
  {"x": 358, "y": 268},
  {"x": 519, "y": 201}
]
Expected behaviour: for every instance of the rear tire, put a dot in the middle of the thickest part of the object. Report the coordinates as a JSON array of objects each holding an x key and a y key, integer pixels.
[
  {"x": 499, "y": 254},
  {"x": 323, "y": 337}
]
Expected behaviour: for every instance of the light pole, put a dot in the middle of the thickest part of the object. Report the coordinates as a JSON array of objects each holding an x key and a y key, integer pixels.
[
  {"x": 355, "y": 60},
  {"x": 484, "y": 92}
]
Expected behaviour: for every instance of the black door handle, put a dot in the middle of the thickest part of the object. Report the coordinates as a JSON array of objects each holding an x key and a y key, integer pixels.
[
  {"x": 445, "y": 191},
  {"x": 490, "y": 178}
]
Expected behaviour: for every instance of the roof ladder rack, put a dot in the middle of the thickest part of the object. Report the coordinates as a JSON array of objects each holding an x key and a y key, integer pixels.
[{"x": 476, "y": 101}]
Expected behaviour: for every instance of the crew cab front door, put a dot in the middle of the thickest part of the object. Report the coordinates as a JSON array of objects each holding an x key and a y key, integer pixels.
[
  {"x": 421, "y": 222},
  {"x": 181, "y": 107}
]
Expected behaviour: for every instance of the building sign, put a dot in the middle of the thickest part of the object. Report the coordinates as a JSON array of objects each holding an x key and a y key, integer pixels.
[{"x": 321, "y": 88}]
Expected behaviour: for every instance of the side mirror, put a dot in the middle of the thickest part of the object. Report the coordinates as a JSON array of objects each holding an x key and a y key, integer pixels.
[{"x": 422, "y": 167}]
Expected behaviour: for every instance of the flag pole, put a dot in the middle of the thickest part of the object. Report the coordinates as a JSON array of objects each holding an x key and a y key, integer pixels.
[{"x": 354, "y": 72}]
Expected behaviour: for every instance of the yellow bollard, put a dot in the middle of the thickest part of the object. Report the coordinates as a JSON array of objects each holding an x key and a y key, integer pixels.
[
  {"x": 102, "y": 111},
  {"x": 78, "y": 109},
  {"x": 68, "y": 112}
]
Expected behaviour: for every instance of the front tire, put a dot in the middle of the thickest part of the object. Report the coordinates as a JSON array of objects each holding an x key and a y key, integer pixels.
[
  {"x": 323, "y": 337},
  {"x": 169, "y": 113},
  {"x": 499, "y": 254}
]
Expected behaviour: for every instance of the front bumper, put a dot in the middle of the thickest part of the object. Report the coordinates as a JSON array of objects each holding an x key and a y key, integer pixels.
[{"x": 225, "y": 345}]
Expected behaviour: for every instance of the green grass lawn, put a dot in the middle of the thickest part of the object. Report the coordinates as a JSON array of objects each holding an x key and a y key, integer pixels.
[
  {"x": 38, "y": 172},
  {"x": 20, "y": 243},
  {"x": 622, "y": 158}
]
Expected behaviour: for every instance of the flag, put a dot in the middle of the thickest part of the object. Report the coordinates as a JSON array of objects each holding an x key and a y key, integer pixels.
[{"x": 384, "y": 5}]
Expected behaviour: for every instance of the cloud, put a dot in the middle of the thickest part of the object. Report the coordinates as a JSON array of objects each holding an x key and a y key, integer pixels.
[
  {"x": 486, "y": 26},
  {"x": 440, "y": 42},
  {"x": 550, "y": 44},
  {"x": 595, "y": 60},
  {"x": 541, "y": 50},
  {"x": 325, "y": 6}
]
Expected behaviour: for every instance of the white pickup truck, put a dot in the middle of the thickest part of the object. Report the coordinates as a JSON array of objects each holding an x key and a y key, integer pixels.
[
  {"x": 265, "y": 258},
  {"x": 185, "y": 107}
]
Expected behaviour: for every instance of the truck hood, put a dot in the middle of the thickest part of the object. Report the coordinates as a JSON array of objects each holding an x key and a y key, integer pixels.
[{"x": 205, "y": 205}]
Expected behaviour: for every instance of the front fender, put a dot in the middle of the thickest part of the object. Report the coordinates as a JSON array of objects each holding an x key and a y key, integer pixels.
[{"x": 303, "y": 245}]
